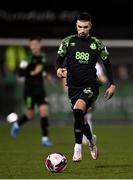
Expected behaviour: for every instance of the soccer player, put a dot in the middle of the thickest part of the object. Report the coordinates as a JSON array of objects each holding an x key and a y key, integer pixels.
[
  {"x": 34, "y": 92},
  {"x": 81, "y": 52},
  {"x": 89, "y": 116}
]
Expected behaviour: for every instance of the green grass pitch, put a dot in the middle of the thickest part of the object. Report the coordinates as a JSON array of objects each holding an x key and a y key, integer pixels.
[{"x": 24, "y": 157}]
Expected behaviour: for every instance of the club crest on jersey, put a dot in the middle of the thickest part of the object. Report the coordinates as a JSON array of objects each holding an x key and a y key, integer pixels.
[
  {"x": 93, "y": 46},
  {"x": 72, "y": 43}
]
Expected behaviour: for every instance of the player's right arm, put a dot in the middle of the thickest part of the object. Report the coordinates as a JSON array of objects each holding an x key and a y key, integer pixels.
[
  {"x": 62, "y": 52},
  {"x": 60, "y": 59}
]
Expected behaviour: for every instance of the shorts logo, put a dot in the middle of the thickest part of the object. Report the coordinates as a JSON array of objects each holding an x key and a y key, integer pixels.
[
  {"x": 88, "y": 91},
  {"x": 93, "y": 46}
]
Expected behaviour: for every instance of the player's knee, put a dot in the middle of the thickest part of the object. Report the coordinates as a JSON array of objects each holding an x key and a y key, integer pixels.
[
  {"x": 43, "y": 111},
  {"x": 44, "y": 115},
  {"x": 30, "y": 116},
  {"x": 80, "y": 104}
]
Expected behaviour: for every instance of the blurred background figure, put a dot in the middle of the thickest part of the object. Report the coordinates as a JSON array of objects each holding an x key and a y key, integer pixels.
[
  {"x": 32, "y": 69},
  {"x": 53, "y": 20},
  {"x": 123, "y": 73},
  {"x": 124, "y": 83},
  {"x": 10, "y": 57}
]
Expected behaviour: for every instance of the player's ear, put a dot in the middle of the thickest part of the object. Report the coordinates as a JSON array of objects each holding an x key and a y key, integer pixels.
[
  {"x": 90, "y": 25},
  {"x": 76, "y": 24}
]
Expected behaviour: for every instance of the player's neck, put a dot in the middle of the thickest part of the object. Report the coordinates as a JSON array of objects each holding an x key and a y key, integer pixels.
[
  {"x": 36, "y": 54},
  {"x": 84, "y": 37}
]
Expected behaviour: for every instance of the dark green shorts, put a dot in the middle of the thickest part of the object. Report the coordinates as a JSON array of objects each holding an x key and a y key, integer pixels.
[{"x": 88, "y": 94}]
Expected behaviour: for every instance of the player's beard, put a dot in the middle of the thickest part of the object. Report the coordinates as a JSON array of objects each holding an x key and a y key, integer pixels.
[{"x": 83, "y": 35}]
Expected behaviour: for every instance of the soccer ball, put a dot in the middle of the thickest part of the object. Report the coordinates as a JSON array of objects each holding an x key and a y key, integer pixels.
[{"x": 56, "y": 162}]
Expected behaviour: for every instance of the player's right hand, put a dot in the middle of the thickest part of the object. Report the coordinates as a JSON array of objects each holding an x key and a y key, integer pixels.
[
  {"x": 61, "y": 72},
  {"x": 23, "y": 64}
]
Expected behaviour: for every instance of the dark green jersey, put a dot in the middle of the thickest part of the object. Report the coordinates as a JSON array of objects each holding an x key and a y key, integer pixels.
[
  {"x": 33, "y": 61},
  {"x": 81, "y": 55}
]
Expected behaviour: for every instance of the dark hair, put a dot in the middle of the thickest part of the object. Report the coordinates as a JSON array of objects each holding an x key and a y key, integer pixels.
[
  {"x": 84, "y": 16},
  {"x": 38, "y": 38}
]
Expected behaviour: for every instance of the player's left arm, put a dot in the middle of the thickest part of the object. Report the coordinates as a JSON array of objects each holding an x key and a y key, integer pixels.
[
  {"x": 111, "y": 90},
  {"x": 102, "y": 79},
  {"x": 40, "y": 66},
  {"x": 38, "y": 69},
  {"x": 109, "y": 72}
]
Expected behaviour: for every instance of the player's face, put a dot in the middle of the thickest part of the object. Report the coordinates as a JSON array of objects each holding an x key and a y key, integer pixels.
[
  {"x": 83, "y": 28},
  {"x": 35, "y": 47}
]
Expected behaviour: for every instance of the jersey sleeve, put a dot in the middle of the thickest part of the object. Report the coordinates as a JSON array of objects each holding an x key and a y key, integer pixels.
[
  {"x": 103, "y": 52},
  {"x": 104, "y": 56},
  {"x": 62, "y": 52}
]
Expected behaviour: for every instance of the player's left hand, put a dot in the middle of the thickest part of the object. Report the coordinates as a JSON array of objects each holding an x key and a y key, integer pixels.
[
  {"x": 23, "y": 64},
  {"x": 110, "y": 92}
]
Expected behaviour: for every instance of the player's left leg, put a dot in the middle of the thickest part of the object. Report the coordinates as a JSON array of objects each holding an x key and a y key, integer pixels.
[
  {"x": 89, "y": 95},
  {"x": 87, "y": 119},
  {"x": 92, "y": 142},
  {"x": 43, "y": 109}
]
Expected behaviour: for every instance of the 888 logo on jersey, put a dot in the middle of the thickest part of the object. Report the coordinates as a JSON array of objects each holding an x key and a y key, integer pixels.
[{"x": 82, "y": 57}]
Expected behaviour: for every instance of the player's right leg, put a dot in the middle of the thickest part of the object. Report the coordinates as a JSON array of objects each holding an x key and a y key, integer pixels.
[
  {"x": 78, "y": 128},
  {"x": 87, "y": 128},
  {"x": 28, "y": 115},
  {"x": 87, "y": 120},
  {"x": 13, "y": 118},
  {"x": 21, "y": 121},
  {"x": 93, "y": 148}
]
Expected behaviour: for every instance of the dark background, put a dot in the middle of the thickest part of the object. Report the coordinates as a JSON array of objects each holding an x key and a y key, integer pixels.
[
  {"x": 56, "y": 19},
  {"x": 111, "y": 19}
]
